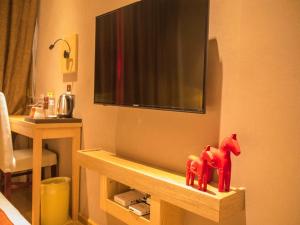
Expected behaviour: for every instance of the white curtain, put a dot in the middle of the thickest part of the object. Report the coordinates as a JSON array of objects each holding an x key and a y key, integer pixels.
[{"x": 7, "y": 161}]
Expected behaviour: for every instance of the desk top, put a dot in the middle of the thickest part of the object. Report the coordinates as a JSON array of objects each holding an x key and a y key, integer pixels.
[
  {"x": 43, "y": 130},
  {"x": 20, "y": 120},
  {"x": 53, "y": 120}
]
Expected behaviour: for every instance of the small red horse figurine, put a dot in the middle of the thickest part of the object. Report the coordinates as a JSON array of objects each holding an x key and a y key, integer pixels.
[
  {"x": 199, "y": 166},
  {"x": 222, "y": 161},
  {"x": 209, "y": 158}
]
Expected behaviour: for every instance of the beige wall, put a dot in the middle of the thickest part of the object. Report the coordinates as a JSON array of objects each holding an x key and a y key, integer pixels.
[
  {"x": 262, "y": 103},
  {"x": 253, "y": 68}
]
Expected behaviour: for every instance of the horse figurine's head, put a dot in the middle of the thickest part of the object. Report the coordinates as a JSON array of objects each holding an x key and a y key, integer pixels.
[
  {"x": 206, "y": 154},
  {"x": 230, "y": 144}
]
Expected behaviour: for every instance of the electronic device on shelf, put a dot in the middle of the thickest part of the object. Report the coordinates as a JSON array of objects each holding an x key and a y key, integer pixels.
[
  {"x": 140, "y": 209},
  {"x": 148, "y": 200},
  {"x": 129, "y": 198}
]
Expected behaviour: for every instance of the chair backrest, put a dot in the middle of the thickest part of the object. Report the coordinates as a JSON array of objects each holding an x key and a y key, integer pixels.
[{"x": 7, "y": 161}]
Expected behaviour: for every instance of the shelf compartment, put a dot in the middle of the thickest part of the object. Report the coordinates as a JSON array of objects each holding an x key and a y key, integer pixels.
[
  {"x": 109, "y": 188},
  {"x": 124, "y": 214}
]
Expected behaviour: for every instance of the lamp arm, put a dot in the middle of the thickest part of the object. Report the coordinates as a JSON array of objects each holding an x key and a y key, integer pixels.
[{"x": 66, "y": 54}]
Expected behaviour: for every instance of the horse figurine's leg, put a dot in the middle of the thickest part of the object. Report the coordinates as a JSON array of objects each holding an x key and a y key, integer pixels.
[
  {"x": 188, "y": 177},
  {"x": 192, "y": 178},
  {"x": 221, "y": 180},
  {"x": 194, "y": 170},
  {"x": 200, "y": 177},
  {"x": 209, "y": 173},
  {"x": 188, "y": 172},
  {"x": 206, "y": 174},
  {"x": 227, "y": 178},
  {"x": 200, "y": 183}
]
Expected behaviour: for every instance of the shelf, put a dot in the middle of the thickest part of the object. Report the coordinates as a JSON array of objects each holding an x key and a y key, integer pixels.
[
  {"x": 124, "y": 214},
  {"x": 166, "y": 188},
  {"x": 108, "y": 189}
]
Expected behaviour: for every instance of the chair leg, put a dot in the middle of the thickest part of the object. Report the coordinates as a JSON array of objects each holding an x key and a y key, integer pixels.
[
  {"x": 28, "y": 179},
  {"x": 7, "y": 185},
  {"x": 43, "y": 173},
  {"x": 1, "y": 181},
  {"x": 54, "y": 171}
]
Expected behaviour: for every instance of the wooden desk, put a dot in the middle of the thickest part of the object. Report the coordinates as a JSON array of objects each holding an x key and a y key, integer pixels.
[{"x": 38, "y": 132}]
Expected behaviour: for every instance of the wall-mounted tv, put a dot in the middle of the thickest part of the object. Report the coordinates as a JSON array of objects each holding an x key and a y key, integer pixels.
[{"x": 152, "y": 54}]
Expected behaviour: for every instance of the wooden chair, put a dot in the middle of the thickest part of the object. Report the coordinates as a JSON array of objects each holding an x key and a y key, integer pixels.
[{"x": 18, "y": 162}]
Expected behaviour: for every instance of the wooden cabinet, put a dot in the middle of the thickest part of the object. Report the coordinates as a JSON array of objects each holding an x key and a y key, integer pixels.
[{"x": 170, "y": 197}]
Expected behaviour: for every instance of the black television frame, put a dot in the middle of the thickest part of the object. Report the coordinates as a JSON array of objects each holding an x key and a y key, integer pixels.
[{"x": 203, "y": 111}]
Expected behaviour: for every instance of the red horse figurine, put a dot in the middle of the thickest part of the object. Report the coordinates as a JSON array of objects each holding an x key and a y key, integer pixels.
[
  {"x": 222, "y": 161},
  {"x": 199, "y": 166},
  {"x": 209, "y": 158}
]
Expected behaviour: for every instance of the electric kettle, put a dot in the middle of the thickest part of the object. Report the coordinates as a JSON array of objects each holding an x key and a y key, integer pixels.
[{"x": 65, "y": 106}]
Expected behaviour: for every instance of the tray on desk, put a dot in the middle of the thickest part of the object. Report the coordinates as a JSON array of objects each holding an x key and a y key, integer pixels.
[{"x": 53, "y": 120}]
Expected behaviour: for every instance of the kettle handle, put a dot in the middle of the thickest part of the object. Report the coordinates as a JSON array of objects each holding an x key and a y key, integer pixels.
[{"x": 71, "y": 102}]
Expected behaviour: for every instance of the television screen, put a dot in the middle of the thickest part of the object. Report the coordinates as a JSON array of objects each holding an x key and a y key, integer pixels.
[{"x": 152, "y": 54}]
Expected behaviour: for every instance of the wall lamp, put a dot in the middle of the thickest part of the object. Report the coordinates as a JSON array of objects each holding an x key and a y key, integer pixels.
[{"x": 66, "y": 53}]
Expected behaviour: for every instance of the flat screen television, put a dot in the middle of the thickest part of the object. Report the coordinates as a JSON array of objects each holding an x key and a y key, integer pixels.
[{"x": 153, "y": 54}]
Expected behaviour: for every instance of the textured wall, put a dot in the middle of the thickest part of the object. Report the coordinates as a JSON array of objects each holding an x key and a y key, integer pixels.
[
  {"x": 253, "y": 89},
  {"x": 262, "y": 103}
]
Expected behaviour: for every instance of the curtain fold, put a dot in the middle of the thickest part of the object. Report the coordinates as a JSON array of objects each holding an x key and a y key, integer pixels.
[{"x": 17, "y": 24}]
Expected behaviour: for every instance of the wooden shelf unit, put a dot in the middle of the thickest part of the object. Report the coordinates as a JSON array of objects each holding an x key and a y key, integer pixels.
[
  {"x": 109, "y": 188},
  {"x": 169, "y": 194}
]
